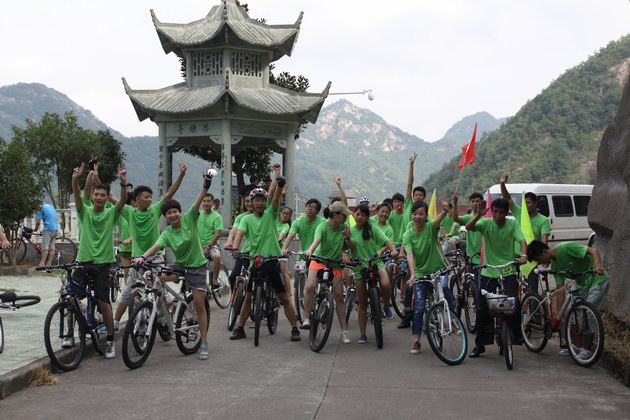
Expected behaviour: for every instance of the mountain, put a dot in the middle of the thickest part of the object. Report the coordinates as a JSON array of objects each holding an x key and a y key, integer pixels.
[
  {"x": 554, "y": 137},
  {"x": 369, "y": 154}
]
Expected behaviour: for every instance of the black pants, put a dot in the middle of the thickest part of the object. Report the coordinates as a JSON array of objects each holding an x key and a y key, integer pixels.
[{"x": 484, "y": 328}]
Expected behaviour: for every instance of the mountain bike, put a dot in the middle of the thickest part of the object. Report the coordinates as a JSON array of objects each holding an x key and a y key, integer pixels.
[
  {"x": 65, "y": 248},
  {"x": 156, "y": 313},
  {"x": 578, "y": 321},
  {"x": 115, "y": 274},
  {"x": 238, "y": 296},
  {"x": 11, "y": 301},
  {"x": 397, "y": 271},
  {"x": 70, "y": 320},
  {"x": 299, "y": 284},
  {"x": 463, "y": 288},
  {"x": 222, "y": 291}
]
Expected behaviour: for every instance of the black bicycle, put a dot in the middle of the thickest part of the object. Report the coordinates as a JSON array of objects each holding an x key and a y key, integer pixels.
[
  {"x": 238, "y": 296},
  {"x": 11, "y": 301},
  {"x": 397, "y": 271},
  {"x": 463, "y": 287}
]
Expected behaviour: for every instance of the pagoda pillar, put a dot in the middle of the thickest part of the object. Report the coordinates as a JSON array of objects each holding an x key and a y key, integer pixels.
[
  {"x": 165, "y": 157},
  {"x": 226, "y": 171},
  {"x": 289, "y": 165}
]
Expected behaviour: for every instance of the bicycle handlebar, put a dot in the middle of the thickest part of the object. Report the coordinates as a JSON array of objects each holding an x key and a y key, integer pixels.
[
  {"x": 513, "y": 262},
  {"x": 68, "y": 266},
  {"x": 568, "y": 272}
]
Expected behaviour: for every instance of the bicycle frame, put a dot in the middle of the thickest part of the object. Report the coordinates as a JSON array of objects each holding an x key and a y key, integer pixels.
[{"x": 435, "y": 296}]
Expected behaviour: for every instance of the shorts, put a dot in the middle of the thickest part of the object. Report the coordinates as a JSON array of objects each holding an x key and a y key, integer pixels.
[
  {"x": 195, "y": 278},
  {"x": 272, "y": 270},
  {"x": 337, "y": 272},
  {"x": 134, "y": 277},
  {"x": 100, "y": 279},
  {"x": 597, "y": 295},
  {"x": 48, "y": 240}
]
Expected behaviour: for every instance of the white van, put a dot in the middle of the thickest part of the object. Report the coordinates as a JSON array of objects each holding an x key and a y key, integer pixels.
[{"x": 566, "y": 206}]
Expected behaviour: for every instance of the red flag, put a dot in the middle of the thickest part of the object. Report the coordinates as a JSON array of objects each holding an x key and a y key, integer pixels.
[{"x": 468, "y": 151}]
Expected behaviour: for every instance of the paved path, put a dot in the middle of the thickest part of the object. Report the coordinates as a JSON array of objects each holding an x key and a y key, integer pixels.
[{"x": 282, "y": 379}]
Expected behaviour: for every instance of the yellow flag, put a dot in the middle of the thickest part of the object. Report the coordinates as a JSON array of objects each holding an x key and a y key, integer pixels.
[
  {"x": 432, "y": 208},
  {"x": 528, "y": 233}
]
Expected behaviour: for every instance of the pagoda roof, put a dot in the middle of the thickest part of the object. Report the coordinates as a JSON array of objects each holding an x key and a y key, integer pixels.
[
  {"x": 182, "y": 99},
  {"x": 279, "y": 38}
]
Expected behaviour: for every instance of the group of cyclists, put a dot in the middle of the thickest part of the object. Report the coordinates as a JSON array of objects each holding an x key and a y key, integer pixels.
[{"x": 399, "y": 226}]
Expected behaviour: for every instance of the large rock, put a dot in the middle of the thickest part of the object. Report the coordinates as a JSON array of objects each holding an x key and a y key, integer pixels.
[{"x": 609, "y": 209}]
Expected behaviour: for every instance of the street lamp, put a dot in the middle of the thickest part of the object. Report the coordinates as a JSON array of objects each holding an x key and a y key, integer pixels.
[{"x": 363, "y": 92}]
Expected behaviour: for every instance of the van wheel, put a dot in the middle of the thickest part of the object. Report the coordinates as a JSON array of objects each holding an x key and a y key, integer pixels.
[{"x": 591, "y": 240}]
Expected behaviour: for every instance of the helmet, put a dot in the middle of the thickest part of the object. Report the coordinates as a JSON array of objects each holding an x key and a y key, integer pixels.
[
  {"x": 258, "y": 191},
  {"x": 364, "y": 198}
]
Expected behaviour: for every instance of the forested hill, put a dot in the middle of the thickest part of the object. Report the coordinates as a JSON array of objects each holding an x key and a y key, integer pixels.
[{"x": 554, "y": 137}]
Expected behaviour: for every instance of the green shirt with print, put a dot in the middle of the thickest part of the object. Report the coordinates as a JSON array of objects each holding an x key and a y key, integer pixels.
[
  {"x": 305, "y": 230},
  {"x": 185, "y": 242},
  {"x": 374, "y": 219},
  {"x": 123, "y": 233},
  {"x": 366, "y": 248},
  {"x": 395, "y": 220},
  {"x": 386, "y": 229},
  {"x": 96, "y": 244},
  {"x": 282, "y": 228},
  {"x": 473, "y": 240},
  {"x": 245, "y": 241},
  {"x": 540, "y": 225},
  {"x": 144, "y": 227},
  {"x": 262, "y": 233},
  {"x": 427, "y": 255},
  {"x": 208, "y": 223},
  {"x": 331, "y": 241},
  {"x": 498, "y": 245},
  {"x": 575, "y": 257}
]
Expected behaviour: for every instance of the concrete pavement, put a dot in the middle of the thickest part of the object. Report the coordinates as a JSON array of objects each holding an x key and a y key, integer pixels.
[{"x": 285, "y": 379}]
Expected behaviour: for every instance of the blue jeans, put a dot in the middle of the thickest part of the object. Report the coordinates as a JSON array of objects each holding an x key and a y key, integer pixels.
[
  {"x": 420, "y": 301},
  {"x": 532, "y": 281}
]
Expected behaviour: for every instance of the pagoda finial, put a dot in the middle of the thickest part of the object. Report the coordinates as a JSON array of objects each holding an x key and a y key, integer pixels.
[
  {"x": 126, "y": 85},
  {"x": 298, "y": 22},
  {"x": 227, "y": 80},
  {"x": 224, "y": 15},
  {"x": 156, "y": 21}
]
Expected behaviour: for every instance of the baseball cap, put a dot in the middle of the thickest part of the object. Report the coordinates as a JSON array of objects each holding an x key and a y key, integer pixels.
[{"x": 339, "y": 207}]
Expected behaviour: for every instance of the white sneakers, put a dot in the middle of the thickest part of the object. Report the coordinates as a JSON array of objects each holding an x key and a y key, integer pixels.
[
  {"x": 345, "y": 337},
  {"x": 110, "y": 351}
]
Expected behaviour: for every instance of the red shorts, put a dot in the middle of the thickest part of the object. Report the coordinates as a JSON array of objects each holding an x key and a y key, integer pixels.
[{"x": 319, "y": 266}]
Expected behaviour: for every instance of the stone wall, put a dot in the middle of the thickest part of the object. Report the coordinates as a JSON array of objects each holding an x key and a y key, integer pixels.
[{"x": 609, "y": 209}]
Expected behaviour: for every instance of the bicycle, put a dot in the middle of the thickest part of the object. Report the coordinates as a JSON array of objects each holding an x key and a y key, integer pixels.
[
  {"x": 115, "y": 274},
  {"x": 397, "y": 272},
  {"x": 65, "y": 248},
  {"x": 70, "y": 320},
  {"x": 222, "y": 291},
  {"x": 155, "y": 314},
  {"x": 299, "y": 284},
  {"x": 238, "y": 296},
  {"x": 444, "y": 329},
  {"x": 463, "y": 288},
  {"x": 501, "y": 308},
  {"x": 579, "y": 321},
  {"x": 11, "y": 301}
]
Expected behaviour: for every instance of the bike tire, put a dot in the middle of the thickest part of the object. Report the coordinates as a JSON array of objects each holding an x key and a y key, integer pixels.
[
  {"x": 506, "y": 341},
  {"x": 223, "y": 293},
  {"x": 1, "y": 336},
  {"x": 472, "y": 300},
  {"x": 457, "y": 296},
  {"x": 273, "y": 310},
  {"x": 115, "y": 286},
  {"x": 20, "y": 252},
  {"x": 26, "y": 300},
  {"x": 321, "y": 320},
  {"x": 447, "y": 345},
  {"x": 349, "y": 303},
  {"x": 584, "y": 322},
  {"x": 189, "y": 342},
  {"x": 258, "y": 314},
  {"x": 534, "y": 323},
  {"x": 99, "y": 341},
  {"x": 235, "y": 307},
  {"x": 375, "y": 312},
  {"x": 137, "y": 340},
  {"x": 398, "y": 295},
  {"x": 63, "y": 314},
  {"x": 298, "y": 295},
  {"x": 65, "y": 250}
]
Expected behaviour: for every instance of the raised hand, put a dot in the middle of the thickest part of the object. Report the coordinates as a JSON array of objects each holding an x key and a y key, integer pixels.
[
  {"x": 503, "y": 179},
  {"x": 337, "y": 179},
  {"x": 454, "y": 198},
  {"x": 76, "y": 172},
  {"x": 276, "y": 169},
  {"x": 413, "y": 157},
  {"x": 182, "y": 166},
  {"x": 482, "y": 207},
  {"x": 122, "y": 173}
]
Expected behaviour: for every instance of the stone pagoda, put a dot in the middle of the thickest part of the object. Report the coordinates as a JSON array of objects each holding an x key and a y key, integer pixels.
[{"x": 226, "y": 101}]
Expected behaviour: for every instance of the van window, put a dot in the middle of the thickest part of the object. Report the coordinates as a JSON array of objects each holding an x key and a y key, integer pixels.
[
  {"x": 543, "y": 205},
  {"x": 562, "y": 205},
  {"x": 581, "y": 204}
]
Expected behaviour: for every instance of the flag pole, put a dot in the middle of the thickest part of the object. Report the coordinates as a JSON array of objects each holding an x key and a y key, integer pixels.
[{"x": 459, "y": 177}]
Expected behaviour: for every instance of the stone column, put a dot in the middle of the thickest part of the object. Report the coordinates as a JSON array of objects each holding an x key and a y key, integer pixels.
[
  {"x": 165, "y": 157},
  {"x": 226, "y": 171},
  {"x": 289, "y": 165}
]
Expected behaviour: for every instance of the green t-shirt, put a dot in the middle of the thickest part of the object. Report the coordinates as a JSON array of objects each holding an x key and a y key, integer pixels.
[
  {"x": 427, "y": 255},
  {"x": 144, "y": 227},
  {"x": 498, "y": 245},
  {"x": 208, "y": 223},
  {"x": 374, "y": 220},
  {"x": 395, "y": 220},
  {"x": 406, "y": 216},
  {"x": 575, "y": 257},
  {"x": 331, "y": 241},
  {"x": 305, "y": 230},
  {"x": 96, "y": 244},
  {"x": 262, "y": 233},
  {"x": 447, "y": 224},
  {"x": 282, "y": 228},
  {"x": 245, "y": 241},
  {"x": 185, "y": 241},
  {"x": 123, "y": 233},
  {"x": 473, "y": 239},
  {"x": 366, "y": 249},
  {"x": 540, "y": 225},
  {"x": 386, "y": 229}
]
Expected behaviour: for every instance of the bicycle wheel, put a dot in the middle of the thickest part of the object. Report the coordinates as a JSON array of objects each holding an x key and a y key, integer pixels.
[
  {"x": 235, "y": 307},
  {"x": 584, "y": 334},
  {"x": 64, "y": 336},
  {"x": 65, "y": 250},
  {"x": 189, "y": 340},
  {"x": 398, "y": 295},
  {"x": 273, "y": 309},
  {"x": 298, "y": 295},
  {"x": 534, "y": 320},
  {"x": 448, "y": 342},
  {"x": 458, "y": 295},
  {"x": 222, "y": 294},
  {"x": 375, "y": 312},
  {"x": 258, "y": 313},
  {"x": 138, "y": 339},
  {"x": 321, "y": 320},
  {"x": 1, "y": 336},
  {"x": 114, "y": 288},
  {"x": 26, "y": 300},
  {"x": 351, "y": 294},
  {"x": 470, "y": 311},
  {"x": 99, "y": 341},
  {"x": 506, "y": 341},
  {"x": 20, "y": 252}
]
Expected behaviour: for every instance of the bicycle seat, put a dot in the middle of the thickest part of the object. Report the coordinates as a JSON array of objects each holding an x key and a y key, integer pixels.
[{"x": 7, "y": 297}]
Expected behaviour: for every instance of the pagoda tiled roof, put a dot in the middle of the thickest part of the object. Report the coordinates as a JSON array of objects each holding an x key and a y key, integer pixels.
[
  {"x": 279, "y": 38},
  {"x": 182, "y": 99}
]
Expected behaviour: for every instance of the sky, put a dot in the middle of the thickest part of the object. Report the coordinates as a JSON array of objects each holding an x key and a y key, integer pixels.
[{"x": 429, "y": 63}]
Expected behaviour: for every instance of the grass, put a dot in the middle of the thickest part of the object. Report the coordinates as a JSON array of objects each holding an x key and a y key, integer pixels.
[
  {"x": 42, "y": 377},
  {"x": 617, "y": 336}
]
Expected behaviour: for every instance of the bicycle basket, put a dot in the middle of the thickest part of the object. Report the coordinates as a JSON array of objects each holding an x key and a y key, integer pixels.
[
  {"x": 27, "y": 232},
  {"x": 501, "y": 304}
]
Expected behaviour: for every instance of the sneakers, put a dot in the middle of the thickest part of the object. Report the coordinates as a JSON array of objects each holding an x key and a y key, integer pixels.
[
  {"x": 110, "y": 351},
  {"x": 103, "y": 329},
  {"x": 585, "y": 354},
  {"x": 388, "y": 313},
  {"x": 295, "y": 334},
  {"x": 203, "y": 352},
  {"x": 363, "y": 339},
  {"x": 238, "y": 333},
  {"x": 67, "y": 343},
  {"x": 306, "y": 325},
  {"x": 416, "y": 347},
  {"x": 564, "y": 352},
  {"x": 345, "y": 337},
  {"x": 404, "y": 324}
]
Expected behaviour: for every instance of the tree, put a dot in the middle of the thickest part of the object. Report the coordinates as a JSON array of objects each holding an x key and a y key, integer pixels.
[{"x": 20, "y": 190}]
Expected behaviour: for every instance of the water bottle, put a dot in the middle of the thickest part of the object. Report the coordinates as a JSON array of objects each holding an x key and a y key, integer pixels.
[
  {"x": 83, "y": 309},
  {"x": 403, "y": 266},
  {"x": 169, "y": 304}
]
